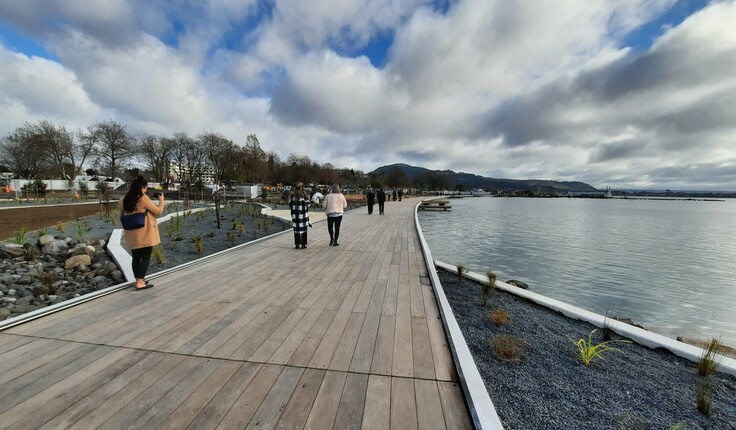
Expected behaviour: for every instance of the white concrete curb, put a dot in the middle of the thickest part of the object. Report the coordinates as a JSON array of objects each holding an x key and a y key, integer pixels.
[
  {"x": 638, "y": 335},
  {"x": 479, "y": 402},
  {"x": 121, "y": 256}
]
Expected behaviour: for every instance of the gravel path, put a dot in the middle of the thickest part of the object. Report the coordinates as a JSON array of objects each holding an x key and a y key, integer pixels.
[{"x": 550, "y": 388}]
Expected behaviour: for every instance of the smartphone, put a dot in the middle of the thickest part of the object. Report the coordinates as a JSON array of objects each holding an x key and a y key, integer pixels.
[{"x": 156, "y": 194}]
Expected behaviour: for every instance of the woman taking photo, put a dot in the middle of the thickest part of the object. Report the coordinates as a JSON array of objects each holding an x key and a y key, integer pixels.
[
  {"x": 335, "y": 203},
  {"x": 141, "y": 240}
]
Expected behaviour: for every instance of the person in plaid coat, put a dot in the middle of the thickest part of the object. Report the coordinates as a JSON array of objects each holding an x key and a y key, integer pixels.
[{"x": 299, "y": 205}]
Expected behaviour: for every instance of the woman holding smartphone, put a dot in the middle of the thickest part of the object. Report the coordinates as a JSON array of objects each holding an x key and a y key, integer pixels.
[{"x": 142, "y": 240}]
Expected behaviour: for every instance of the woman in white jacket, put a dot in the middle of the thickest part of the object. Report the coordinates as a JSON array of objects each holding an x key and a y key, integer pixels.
[{"x": 335, "y": 203}]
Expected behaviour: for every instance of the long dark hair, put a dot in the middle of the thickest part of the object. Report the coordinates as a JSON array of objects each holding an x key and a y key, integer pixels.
[
  {"x": 299, "y": 192},
  {"x": 134, "y": 193}
]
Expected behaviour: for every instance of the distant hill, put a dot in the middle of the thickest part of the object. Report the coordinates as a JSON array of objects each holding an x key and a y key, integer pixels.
[{"x": 469, "y": 180}]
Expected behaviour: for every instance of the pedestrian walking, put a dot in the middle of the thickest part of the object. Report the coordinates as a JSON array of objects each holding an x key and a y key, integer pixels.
[
  {"x": 299, "y": 205},
  {"x": 381, "y": 196},
  {"x": 401, "y": 193},
  {"x": 371, "y": 198},
  {"x": 335, "y": 204}
]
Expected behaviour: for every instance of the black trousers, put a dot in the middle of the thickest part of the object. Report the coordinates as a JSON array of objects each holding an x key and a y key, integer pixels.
[
  {"x": 380, "y": 207},
  {"x": 333, "y": 227},
  {"x": 370, "y": 207},
  {"x": 141, "y": 258},
  {"x": 300, "y": 238}
]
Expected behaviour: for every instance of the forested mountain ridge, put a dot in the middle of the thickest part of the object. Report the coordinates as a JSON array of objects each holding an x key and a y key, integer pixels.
[{"x": 453, "y": 180}]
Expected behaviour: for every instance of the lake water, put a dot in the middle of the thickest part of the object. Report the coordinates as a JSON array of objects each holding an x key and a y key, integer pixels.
[{"x": 668, "y": 265}]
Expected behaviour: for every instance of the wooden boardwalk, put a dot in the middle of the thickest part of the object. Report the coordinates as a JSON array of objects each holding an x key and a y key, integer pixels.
[{"x": 263, "y": 337}]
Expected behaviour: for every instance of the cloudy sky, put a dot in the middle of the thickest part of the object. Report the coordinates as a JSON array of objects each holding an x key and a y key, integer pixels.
[{"x": 626, "y": 93}]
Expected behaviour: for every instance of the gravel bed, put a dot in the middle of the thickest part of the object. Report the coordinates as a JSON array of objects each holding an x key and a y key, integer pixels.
[
  {"x": 550, "y": 388},
  {"x": 177, "y": 244}
]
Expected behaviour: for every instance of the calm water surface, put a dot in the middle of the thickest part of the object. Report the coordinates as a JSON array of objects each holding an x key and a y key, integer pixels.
[{"x": 668, "y": 265}]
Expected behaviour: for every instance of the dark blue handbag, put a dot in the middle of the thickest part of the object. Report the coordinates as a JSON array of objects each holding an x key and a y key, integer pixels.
[{"x": 134, "y": 221}]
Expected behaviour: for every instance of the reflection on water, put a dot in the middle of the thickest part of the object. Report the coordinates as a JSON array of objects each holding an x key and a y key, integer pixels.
[{"x": 668, "y": 265}]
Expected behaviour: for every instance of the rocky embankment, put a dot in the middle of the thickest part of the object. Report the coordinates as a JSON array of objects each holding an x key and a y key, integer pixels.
[{"x": 52, "y": 270}]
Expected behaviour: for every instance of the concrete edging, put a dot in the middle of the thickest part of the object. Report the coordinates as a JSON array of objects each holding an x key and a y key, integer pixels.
[
  {"x": 638, "y": 335},
  {"x": 479, "y": 402}
]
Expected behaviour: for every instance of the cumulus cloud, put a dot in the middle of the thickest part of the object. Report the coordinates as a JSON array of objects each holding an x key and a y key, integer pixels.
[{"x": 498, "y": 88}]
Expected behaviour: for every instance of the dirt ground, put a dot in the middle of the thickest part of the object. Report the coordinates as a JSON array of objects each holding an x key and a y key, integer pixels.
[{"x": 11, "y": 220}]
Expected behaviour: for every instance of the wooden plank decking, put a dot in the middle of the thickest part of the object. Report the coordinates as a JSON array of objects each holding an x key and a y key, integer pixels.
[{"x": 263, "y": 337}]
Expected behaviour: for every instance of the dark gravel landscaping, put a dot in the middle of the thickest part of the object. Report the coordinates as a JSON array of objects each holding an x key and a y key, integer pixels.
[
  {"x": 550, "y": 388},
  {"x": 239, "y": 223}
]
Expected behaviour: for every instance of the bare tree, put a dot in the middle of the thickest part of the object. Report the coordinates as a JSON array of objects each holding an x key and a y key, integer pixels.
[
  {"x": 61, "y": 148},
  {"x": 22, "y": 152},
  {"x": 255, "y": 159},
  {"x": 156, "y": 153},
  {"x": 220, "y": 153},
  {"x": 112, "y": 144}
]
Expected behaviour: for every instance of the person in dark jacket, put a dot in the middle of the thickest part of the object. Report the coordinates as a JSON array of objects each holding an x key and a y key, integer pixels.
[
  {"x": 299, "y": 205},
  {"x": 401, "y": 193},
  {"x": 371, "y": 197},
  {"x": 394, "y": 194},
  {"x": 381, "y": 200}
]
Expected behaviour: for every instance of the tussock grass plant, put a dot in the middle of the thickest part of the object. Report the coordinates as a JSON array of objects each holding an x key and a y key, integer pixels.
[
  {"x": 607, "y": 332},
  {"x": 60, "y": 226},
  {"x": 20, "y": 237},
  {"x": 81, "y": 232},
  {"x": 200, "y": 215},
  {"x": 230, "y": 237},
  {"x": 627, "y": 422},
  {"x": 197, "y": 240},
  {"x": 488, "y": 287},
  {"x": 704, "y": 396},
  {"x": 170, "y": 229},
  {"x": 241, "y": 228},
  {"x": 176, "y": 222},
  {"x": 508, "y": 349},
  {"x": 43, "y": 231},
  {"x": 711, "y": 358},
  {"x": 499, "y": 316},
  {"x": 211, "y": 233},
  {"x": 461, "y": 271},
  {"x": 589, "y": 351},
  {"x": 158, "y": 254}
]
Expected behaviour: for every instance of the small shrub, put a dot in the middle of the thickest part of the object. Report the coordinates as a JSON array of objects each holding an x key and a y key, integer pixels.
[
  {"x": 158, "y": 254},
  {"x": 230, "y": 237},
  {"x": 590, "y": 351},
  {"x": 43, "y": 231},
  {"x": 461, "y": 271},
  {"x": 711, "y": 358},
  {"x": 508, "y": 349},
  {"x": 30, "y": 253},
  {"x": 200, "y": 215},
  {"x": 211, "y": 233},
  {"x": 20, "y": 237},
  {"x": 241, "y": 228},
  {"x": 84, "y": 190},
  {"x": 48, "y": 287},
  {"x": 488, "y": 287},
  {"x": 60, "y": 227},
  {"x": 177, "y": 222},
  {"x": 704, "y": 396},
  {"x": 499, "y": 316},
  {"x": 197, "y": 240}
]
